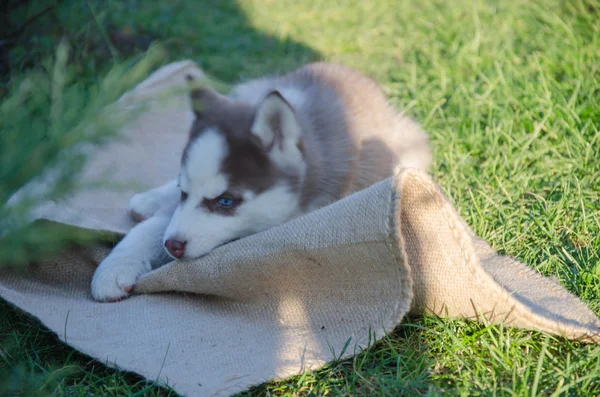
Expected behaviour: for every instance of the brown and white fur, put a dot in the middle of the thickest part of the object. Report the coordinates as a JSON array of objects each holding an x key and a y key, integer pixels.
[{"x": 274, "y": 149}]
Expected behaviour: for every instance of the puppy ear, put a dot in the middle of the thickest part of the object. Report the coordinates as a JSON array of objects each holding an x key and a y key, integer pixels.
[
  {"x": 203, "y": 98},
  {"x": 275, "y": 126}
]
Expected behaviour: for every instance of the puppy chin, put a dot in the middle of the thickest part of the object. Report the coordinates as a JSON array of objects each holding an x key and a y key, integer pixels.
[{"x": 195, "y": 252}]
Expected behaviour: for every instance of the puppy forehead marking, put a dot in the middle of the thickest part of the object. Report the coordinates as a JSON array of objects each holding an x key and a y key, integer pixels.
[{"x": 203, "y": 162}]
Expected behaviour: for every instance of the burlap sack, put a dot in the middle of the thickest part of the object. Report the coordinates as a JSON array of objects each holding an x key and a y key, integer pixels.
[{"x": 285, "y": 300}]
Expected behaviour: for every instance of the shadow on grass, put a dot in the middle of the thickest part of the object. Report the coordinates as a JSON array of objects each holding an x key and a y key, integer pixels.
[{"x": 214, "y": 33}]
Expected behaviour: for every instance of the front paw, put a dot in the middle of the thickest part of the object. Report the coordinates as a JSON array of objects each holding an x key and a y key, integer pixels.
[
  {"x": 115, "y": 278},
  {"x": 144, "y": 205}
]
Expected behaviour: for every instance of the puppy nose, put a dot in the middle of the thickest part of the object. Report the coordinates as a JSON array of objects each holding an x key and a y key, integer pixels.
[{"x": 176, "y": 248}]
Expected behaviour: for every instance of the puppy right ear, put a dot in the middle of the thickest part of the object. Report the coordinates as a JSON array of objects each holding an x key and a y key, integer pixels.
[
  {"x": 275, "y": 125},
  {"x": 203, "y": 98}
]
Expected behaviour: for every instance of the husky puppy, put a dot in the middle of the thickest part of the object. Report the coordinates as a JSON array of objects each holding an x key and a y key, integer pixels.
[{"x": 274, "y": 149}]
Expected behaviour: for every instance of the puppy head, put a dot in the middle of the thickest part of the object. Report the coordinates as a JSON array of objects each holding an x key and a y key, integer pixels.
[{"x": 241, "y": 171}]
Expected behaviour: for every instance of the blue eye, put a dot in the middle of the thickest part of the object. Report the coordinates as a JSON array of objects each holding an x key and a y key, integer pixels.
[{"x": 226, "y": 202}]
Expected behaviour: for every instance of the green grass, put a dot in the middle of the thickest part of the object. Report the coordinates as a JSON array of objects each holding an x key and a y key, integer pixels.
[{"x": 509, "y": 92}]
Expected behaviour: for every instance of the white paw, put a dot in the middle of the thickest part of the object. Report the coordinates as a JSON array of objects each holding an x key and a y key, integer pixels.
[
  {"x": 115, "y": 278},
  {"x": 144, "y": 205}
]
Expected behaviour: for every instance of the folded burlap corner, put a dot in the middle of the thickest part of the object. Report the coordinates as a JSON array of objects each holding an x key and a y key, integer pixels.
[
  {"x": 284, "y": 300},
  {"x": 401, "y": 235}
]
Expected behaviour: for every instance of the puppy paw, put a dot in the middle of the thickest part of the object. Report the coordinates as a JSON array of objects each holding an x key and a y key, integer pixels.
[
  {"x": 144, "y": 205},
  {"x": 115, "y": 278}
]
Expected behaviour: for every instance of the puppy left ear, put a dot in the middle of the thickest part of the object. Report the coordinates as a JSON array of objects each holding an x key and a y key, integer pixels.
[
  {"x": 275, "y": 126},
  {"x": 203, "y": 99}
]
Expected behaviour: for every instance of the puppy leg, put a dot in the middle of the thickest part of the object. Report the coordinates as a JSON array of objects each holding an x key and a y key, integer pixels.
[
  {"x": 139, "y": 252},
  {"x": 144, "y": 205}
]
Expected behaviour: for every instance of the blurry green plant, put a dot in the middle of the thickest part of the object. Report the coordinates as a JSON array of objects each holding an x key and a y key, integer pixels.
[
  {"x": 47, "y": 118},
  {"x": 22, "y": 381}
]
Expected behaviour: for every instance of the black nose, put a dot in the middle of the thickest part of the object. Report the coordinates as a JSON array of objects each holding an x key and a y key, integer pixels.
[{"x": 176, "y": 248}]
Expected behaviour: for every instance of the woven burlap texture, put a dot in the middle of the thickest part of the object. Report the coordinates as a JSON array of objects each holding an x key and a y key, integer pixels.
[{"x": 285, "y": 300}]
